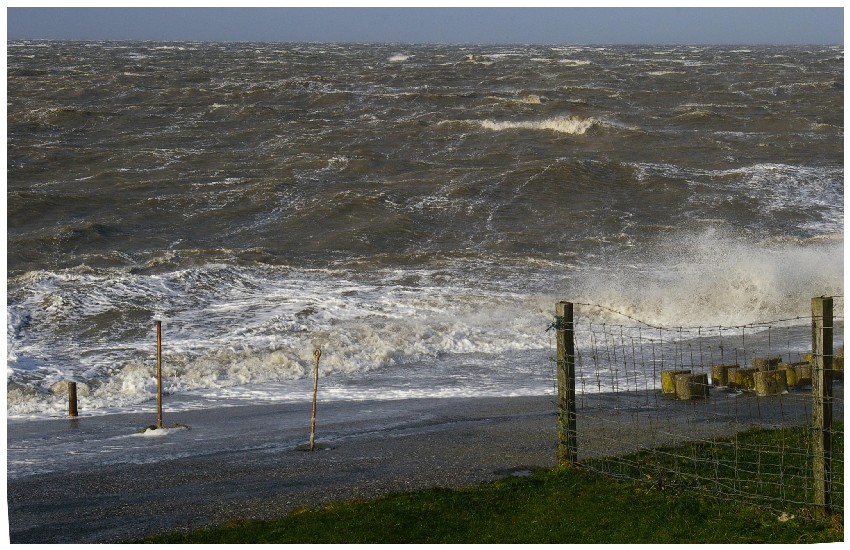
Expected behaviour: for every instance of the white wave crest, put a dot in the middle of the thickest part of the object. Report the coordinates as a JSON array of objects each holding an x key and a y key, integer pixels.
[
  {"x": 573, "y": 125},
  {"x": 531, "y": 99}
]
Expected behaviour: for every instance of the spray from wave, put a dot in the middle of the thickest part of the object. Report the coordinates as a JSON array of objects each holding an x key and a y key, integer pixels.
[{"x": 715, "y": 277}]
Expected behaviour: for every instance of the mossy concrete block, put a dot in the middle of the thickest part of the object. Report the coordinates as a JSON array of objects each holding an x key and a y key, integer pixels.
[
  {"x": 732, "y": 376},
  {"x": 790, "y": 374},
  {"x": 691, "y": 386},
  {"x": 804, "y": 373},
  {"x": 797, "y": 374},
  {"x": 837, "y": 363},
  {"x": 769, "y": 382},
  {"x": 743, "y": 379},
  {"x": 720, "y": 374},
  {"x": 668, "y": 380},
  {"x": 766, "y": 363}
]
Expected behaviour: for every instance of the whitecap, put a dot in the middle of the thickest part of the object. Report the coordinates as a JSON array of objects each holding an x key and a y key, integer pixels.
[{"x": 573, "y": 125}]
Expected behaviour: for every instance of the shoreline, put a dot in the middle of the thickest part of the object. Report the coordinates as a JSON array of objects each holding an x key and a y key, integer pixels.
[{"x": 247, "y": 462}]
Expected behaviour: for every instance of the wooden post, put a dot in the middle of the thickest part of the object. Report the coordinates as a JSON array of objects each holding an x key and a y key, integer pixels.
[
  {"x": 316, "y": 353},
  {"x": 822, "y": 404},
  {"x": 72, "y": 399},
  {"x": 159, "y": 374},
  {"x": 567, "y": 446}
]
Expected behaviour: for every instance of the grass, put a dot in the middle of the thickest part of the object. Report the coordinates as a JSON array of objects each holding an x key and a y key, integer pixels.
[
  {"x": 770, "y": 468},
  {"x": 565, "y": 505}
]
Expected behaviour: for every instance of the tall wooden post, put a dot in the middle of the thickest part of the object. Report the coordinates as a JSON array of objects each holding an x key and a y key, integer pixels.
[
  {"x": 159, "y": 374},
  {"x": 567, "y": 447},
  {"x": 822, "y": 404},
  {"x": 316, "y": 354},
  {"x": 72, "y": 399}
]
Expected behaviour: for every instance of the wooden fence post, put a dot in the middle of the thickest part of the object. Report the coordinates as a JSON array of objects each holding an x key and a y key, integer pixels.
[
  {"x": 159, "y": 374},
  {"x": 822, "y": 405},
  {"x": 72, "y": 399},
  {"x": 317, "y": 353},
  {"x": 567, "y": 447}
]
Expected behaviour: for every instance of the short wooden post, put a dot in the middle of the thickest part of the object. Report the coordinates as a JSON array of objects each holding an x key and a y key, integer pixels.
[
  {"x": 72, "y": 399},
  {"x": 822, "y": 404},
  {"x": 317, "y": 353},
  {"x": 159, "y": 374},
  {"x": 567, "y": 445}
]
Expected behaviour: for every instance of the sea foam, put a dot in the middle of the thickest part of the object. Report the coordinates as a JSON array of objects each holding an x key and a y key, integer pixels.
[
  {"x": 225, "y": 326},
  {"x": 230, "y": 327}
]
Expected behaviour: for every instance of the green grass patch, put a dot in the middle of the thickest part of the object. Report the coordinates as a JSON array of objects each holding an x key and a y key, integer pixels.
[
  {"x": 565, "y": 505},
  {"x": 771, "y": 468}
]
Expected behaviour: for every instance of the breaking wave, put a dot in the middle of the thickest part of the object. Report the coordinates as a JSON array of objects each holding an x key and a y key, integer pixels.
[
  {"x": 715, "y": 277},
  {"x": 226, "y": 326},
  {"x": 573, "y": 125}
]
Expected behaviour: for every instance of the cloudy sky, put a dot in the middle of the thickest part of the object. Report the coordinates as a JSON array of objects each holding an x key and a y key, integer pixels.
[{"x": 481, "y": 25}]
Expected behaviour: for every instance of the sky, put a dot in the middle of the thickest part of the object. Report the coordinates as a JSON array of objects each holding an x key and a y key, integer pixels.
[{"x": 467, "y": 25}]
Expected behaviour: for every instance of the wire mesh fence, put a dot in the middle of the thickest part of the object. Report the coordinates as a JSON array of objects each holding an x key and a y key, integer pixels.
[{"x": 728, "y": 410}]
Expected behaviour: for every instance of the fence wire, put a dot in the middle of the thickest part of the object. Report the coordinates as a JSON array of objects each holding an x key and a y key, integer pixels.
[{"x": 738, "y": 426}]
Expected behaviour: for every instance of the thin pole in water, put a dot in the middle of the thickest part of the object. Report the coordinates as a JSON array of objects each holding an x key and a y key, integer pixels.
[
  {"x": 72, "y": 399},
  {"x": 159, "y": 374},
  {"x": 317, "y": 353}
]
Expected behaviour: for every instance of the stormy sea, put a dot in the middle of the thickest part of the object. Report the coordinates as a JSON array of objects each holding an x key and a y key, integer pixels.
[{"x": 413, "y": 211}]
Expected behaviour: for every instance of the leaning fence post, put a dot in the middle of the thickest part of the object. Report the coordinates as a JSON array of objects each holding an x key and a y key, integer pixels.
[
  {"x": 822, "y": 404},
  {"x": 72, "y": 399},
  {"x": 567, "y": 447},
  {"x": 317, "y": 353},
  {"x": 159, "y": 374}
]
